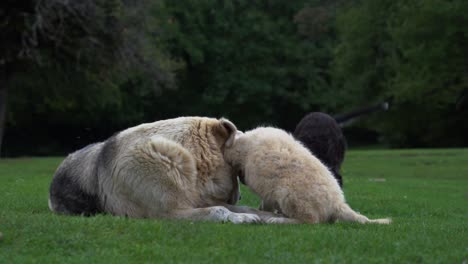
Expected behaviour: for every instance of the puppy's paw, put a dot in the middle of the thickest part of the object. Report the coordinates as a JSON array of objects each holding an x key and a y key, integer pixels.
[
  {"x": 240, "y": 218},
  {"x": 281, "y": 220},
  {"x": 275, "y": 220}
]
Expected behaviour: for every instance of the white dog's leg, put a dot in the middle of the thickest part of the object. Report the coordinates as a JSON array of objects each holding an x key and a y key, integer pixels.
[{"x": 216, "y": 214}]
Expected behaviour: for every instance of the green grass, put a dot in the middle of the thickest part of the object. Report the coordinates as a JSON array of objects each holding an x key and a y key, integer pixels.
[{"x": 424, "y": 191}]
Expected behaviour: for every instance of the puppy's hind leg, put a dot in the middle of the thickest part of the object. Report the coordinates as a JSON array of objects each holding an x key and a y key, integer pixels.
[
  {"x": 266, "y": 217},
  {"x": 215, "y": 214},
  {"x": 269, "y": 207},
  {"x": 283, "y": 220}
]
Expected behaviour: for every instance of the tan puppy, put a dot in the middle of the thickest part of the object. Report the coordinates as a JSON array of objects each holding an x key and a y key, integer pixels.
[
  {"x": 289, "y": 178},
  {"x": 167, "y": 169}
]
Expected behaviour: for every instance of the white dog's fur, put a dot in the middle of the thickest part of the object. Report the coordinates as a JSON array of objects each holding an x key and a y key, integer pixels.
[
  {"x": 167, "y": 169},
  {"x": 289, "y": 178}
]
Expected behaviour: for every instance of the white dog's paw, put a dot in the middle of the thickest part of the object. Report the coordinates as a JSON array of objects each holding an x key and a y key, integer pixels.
[{"x": 239, "y": 218}]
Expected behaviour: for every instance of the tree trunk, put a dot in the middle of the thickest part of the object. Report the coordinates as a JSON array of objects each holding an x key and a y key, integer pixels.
[{"x": 3, "y": 102}]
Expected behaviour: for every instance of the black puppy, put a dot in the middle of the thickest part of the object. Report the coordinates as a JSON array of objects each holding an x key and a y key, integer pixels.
[{"x": 322, "y": 135}]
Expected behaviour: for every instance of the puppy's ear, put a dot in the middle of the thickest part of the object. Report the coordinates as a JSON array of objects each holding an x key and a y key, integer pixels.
[{"x": 225, "y": 132}]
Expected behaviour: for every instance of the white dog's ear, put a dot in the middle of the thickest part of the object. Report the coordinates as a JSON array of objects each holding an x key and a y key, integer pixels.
[{"x": 226, "y": 131}]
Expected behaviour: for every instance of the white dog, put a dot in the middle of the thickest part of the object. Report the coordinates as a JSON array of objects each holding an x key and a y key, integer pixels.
[
  {"x": 171, "y": 169},
  {"x": 289, "y": 178}
]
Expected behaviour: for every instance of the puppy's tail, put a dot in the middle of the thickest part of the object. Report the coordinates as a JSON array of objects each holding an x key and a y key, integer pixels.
[{"x": 345, "y": 213}]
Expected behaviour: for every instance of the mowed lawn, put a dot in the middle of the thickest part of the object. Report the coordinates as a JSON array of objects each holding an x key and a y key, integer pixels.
[{"x": 425, "y": 192}]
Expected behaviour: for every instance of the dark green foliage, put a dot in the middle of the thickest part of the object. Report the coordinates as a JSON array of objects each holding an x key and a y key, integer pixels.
[
  {"x": 245, "y": 60},
  {"x": 89, "y": 68},
  {"x": 415, "y": 52},
  {"x": 430, "y": 65},
  {"x": 73, "y": 64}
]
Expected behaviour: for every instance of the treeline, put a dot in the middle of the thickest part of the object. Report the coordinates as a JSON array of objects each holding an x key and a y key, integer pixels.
[{"x": 74, "y": 72}]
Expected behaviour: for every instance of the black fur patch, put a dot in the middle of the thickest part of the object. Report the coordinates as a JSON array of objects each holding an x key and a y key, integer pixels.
[
  {"x": 69, "y": 198},
  {"x": 104, "y": 162},
  {"x": 322, "y": 135},
  {"x": 107, "y": 153}
]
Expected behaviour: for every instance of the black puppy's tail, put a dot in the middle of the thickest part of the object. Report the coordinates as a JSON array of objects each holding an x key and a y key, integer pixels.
[{"x": 349, "y": 118}]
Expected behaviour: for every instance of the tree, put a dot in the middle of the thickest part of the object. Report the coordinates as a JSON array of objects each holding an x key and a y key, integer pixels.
[
  {"x": 415, "y": 52},
  {"x": 246, "y": 60},
  {"x": 93, "y": 40},
  {"x": 360, "y": 69},
  {"x": 429, "y": 61}
]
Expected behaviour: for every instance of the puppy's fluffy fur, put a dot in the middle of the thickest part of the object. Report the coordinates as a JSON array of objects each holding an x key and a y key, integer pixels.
[
  {"x": 167, "y": 169},
  {"x": 289, "y": 178}
]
